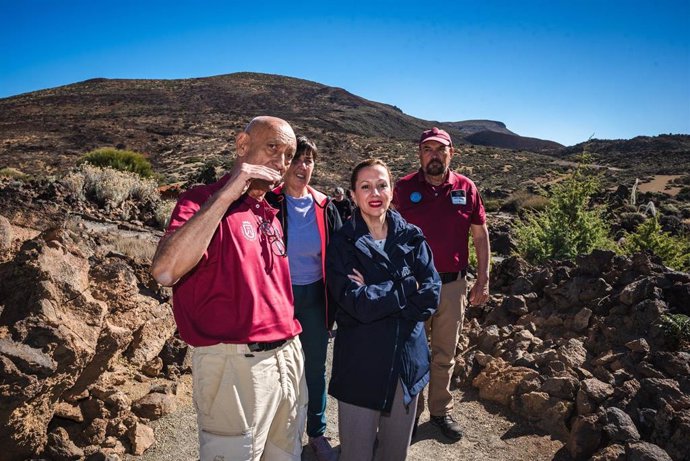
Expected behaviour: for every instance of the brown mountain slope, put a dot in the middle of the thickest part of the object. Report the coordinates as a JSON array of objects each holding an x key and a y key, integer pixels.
[
  {"x": 179, "y": 124},
  {"x": 181, "y": 119}
]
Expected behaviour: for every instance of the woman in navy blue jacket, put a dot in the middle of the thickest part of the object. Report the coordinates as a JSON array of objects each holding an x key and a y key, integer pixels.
[{"x": 382, "y": 277}]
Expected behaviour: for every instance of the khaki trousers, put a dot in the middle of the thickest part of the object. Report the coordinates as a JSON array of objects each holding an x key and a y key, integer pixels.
[
  {"x": 443, "y": 329},
  {"x": 250, "y": 405}
]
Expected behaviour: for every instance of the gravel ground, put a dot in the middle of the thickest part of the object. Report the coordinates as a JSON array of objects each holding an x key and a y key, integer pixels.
[{"x": 491, "y": 433}]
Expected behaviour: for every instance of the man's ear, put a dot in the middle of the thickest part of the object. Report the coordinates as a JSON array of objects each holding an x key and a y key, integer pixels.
[{"x": 242, "y": 143}]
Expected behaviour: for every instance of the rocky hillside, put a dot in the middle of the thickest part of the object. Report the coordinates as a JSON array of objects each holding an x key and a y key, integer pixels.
[
  {"x": 664, "y": 154},
  {"x": 174, "y": 121},
  {"x": 88, "y": 353},
  {"x": 581, "y": 349}
]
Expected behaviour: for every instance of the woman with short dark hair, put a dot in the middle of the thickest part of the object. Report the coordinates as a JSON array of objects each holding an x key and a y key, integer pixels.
[{"x": 309, "y": 218}]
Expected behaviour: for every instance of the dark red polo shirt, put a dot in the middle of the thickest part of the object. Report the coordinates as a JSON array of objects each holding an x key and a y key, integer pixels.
[
  {"x": 240, "y": 292},
  {"x": 444, "y": 213}
]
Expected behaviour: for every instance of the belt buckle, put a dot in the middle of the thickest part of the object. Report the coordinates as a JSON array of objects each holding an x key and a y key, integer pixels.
[{"x": 255, "y": 347}]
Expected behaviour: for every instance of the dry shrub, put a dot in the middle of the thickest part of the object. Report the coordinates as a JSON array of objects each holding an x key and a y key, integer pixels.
[
  {"x": 73, "y": 182},
  {"x": 13, "y": 173},
  {"x": 163, "y": 212},
  {"x": 145, "y": 190},
  {"x": 109, "y": 187},
  {"x": 523, "y": 199},
  {"x": 139, "y": 249}
]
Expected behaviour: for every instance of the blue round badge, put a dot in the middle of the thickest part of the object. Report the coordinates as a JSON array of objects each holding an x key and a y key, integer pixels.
[{"x": 416, "y": 197}]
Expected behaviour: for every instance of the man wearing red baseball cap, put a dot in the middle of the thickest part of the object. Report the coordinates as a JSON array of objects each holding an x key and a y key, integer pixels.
[{"x": 431, "y": 196}]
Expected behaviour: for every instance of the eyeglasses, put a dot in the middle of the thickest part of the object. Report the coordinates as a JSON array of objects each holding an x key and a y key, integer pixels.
[{"x": 274, "y": 239}]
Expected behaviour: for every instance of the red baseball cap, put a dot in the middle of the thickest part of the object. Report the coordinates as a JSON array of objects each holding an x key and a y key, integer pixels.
[{"x": 435, "y": 134}]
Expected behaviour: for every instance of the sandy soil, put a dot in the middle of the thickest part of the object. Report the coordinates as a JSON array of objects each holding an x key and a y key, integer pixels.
[
  {"x": 491, "y": 433},
  {"x": 660, "y": 183}
]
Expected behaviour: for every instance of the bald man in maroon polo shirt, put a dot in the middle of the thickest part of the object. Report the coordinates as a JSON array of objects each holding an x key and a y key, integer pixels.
[
  {"x": 448, "y": 208},
  {"x": 223, "y": 254}
]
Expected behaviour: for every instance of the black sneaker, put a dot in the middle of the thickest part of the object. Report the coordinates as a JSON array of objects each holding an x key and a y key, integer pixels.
[{"x": 448, "y": 425}]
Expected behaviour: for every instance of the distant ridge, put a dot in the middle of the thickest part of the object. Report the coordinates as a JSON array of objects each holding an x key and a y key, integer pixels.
[
  {"x": 243, "y": 94},
  {"x": 511, "y": 141},
  {"x": 179, "y": 124},
  {"x": 670, "y": 152}
]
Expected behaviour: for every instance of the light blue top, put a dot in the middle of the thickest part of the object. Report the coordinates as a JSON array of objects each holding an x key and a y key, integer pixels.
[{"x": 304, "y": 242}]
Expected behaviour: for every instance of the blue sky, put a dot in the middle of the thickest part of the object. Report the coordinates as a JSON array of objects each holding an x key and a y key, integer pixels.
[{"x": 560, "y": 70}]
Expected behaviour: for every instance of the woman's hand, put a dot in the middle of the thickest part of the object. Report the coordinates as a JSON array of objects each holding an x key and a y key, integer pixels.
[{"x": 356, "y": 277}]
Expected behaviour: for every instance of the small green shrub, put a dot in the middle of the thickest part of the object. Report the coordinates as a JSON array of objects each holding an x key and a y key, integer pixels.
[
  {"x": 674, "y": 251},
  {"x": 569, "y": 225},
  {"x": 121, "y": 160},
  {"x": 676, "y": 328},
  {"x": 473, "y": 262}
]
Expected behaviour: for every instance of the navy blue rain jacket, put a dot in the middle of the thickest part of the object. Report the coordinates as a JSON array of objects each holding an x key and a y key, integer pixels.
[{"x": 381, "y": 338}]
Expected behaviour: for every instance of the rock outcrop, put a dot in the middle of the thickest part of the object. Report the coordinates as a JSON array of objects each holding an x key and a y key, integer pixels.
[
  {"x": 70, "y": 314},
  {"x": 578, "y": 349}
]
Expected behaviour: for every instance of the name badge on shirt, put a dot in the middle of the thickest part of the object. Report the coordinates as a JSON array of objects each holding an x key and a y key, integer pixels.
[{"x": 457, "y": 197}]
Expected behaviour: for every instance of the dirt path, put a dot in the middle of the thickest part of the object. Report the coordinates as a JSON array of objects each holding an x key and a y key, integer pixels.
[{"x": 491, "y": 433}]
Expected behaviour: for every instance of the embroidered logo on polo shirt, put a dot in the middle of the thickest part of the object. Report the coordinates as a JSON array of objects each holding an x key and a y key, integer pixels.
[
  {"x": 415, "y": 197},
  {"x": 248, "y": 230}
]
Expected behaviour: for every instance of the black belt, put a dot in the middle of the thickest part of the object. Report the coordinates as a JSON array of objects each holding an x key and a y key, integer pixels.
[
  {"x": 447, "y": 277},
  {"x": 263, "y": 347}
]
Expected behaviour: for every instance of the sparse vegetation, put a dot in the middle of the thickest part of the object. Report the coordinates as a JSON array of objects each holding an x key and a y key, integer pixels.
[
  {"x": 210, "y": 172},
  {"x": 569, "y": 225},
  {"x": 473, "y": 255},
  {"x": 524, "y": 200},
  {"x": 492, "y": 205},
  {"x": 121, "y": 160},
  {"x": 139, "y": 249},
  {"x": 674, "y": 251},
  {"x": 109, "y": 187},
  {"x": 13, "y": 173},
  {"x": 676, "y": 328},
  {"x": 163, "y": 212}
]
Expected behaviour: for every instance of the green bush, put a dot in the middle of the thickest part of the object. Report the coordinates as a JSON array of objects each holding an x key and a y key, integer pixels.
[
  {"x": 676, "y": 328},
  {"x": 121, "y": 160},
  {"x": 473, "y": 262},
  {"x": 569, "y": 225},
  {"x": 674, "y": 251}
]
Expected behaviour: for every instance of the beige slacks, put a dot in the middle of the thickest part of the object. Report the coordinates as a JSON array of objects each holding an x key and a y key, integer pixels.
[
  {"x": 250, "y": 405},
  {"x": 443, "y": 329}
]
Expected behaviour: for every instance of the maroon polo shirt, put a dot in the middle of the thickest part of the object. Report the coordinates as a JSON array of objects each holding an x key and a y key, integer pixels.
[
  {"x": 444, "y": 213},
  {"x": 240, "y": 291}
]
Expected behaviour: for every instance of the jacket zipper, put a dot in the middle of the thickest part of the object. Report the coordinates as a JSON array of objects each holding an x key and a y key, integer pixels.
[{"x": 395, "y": 350}]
